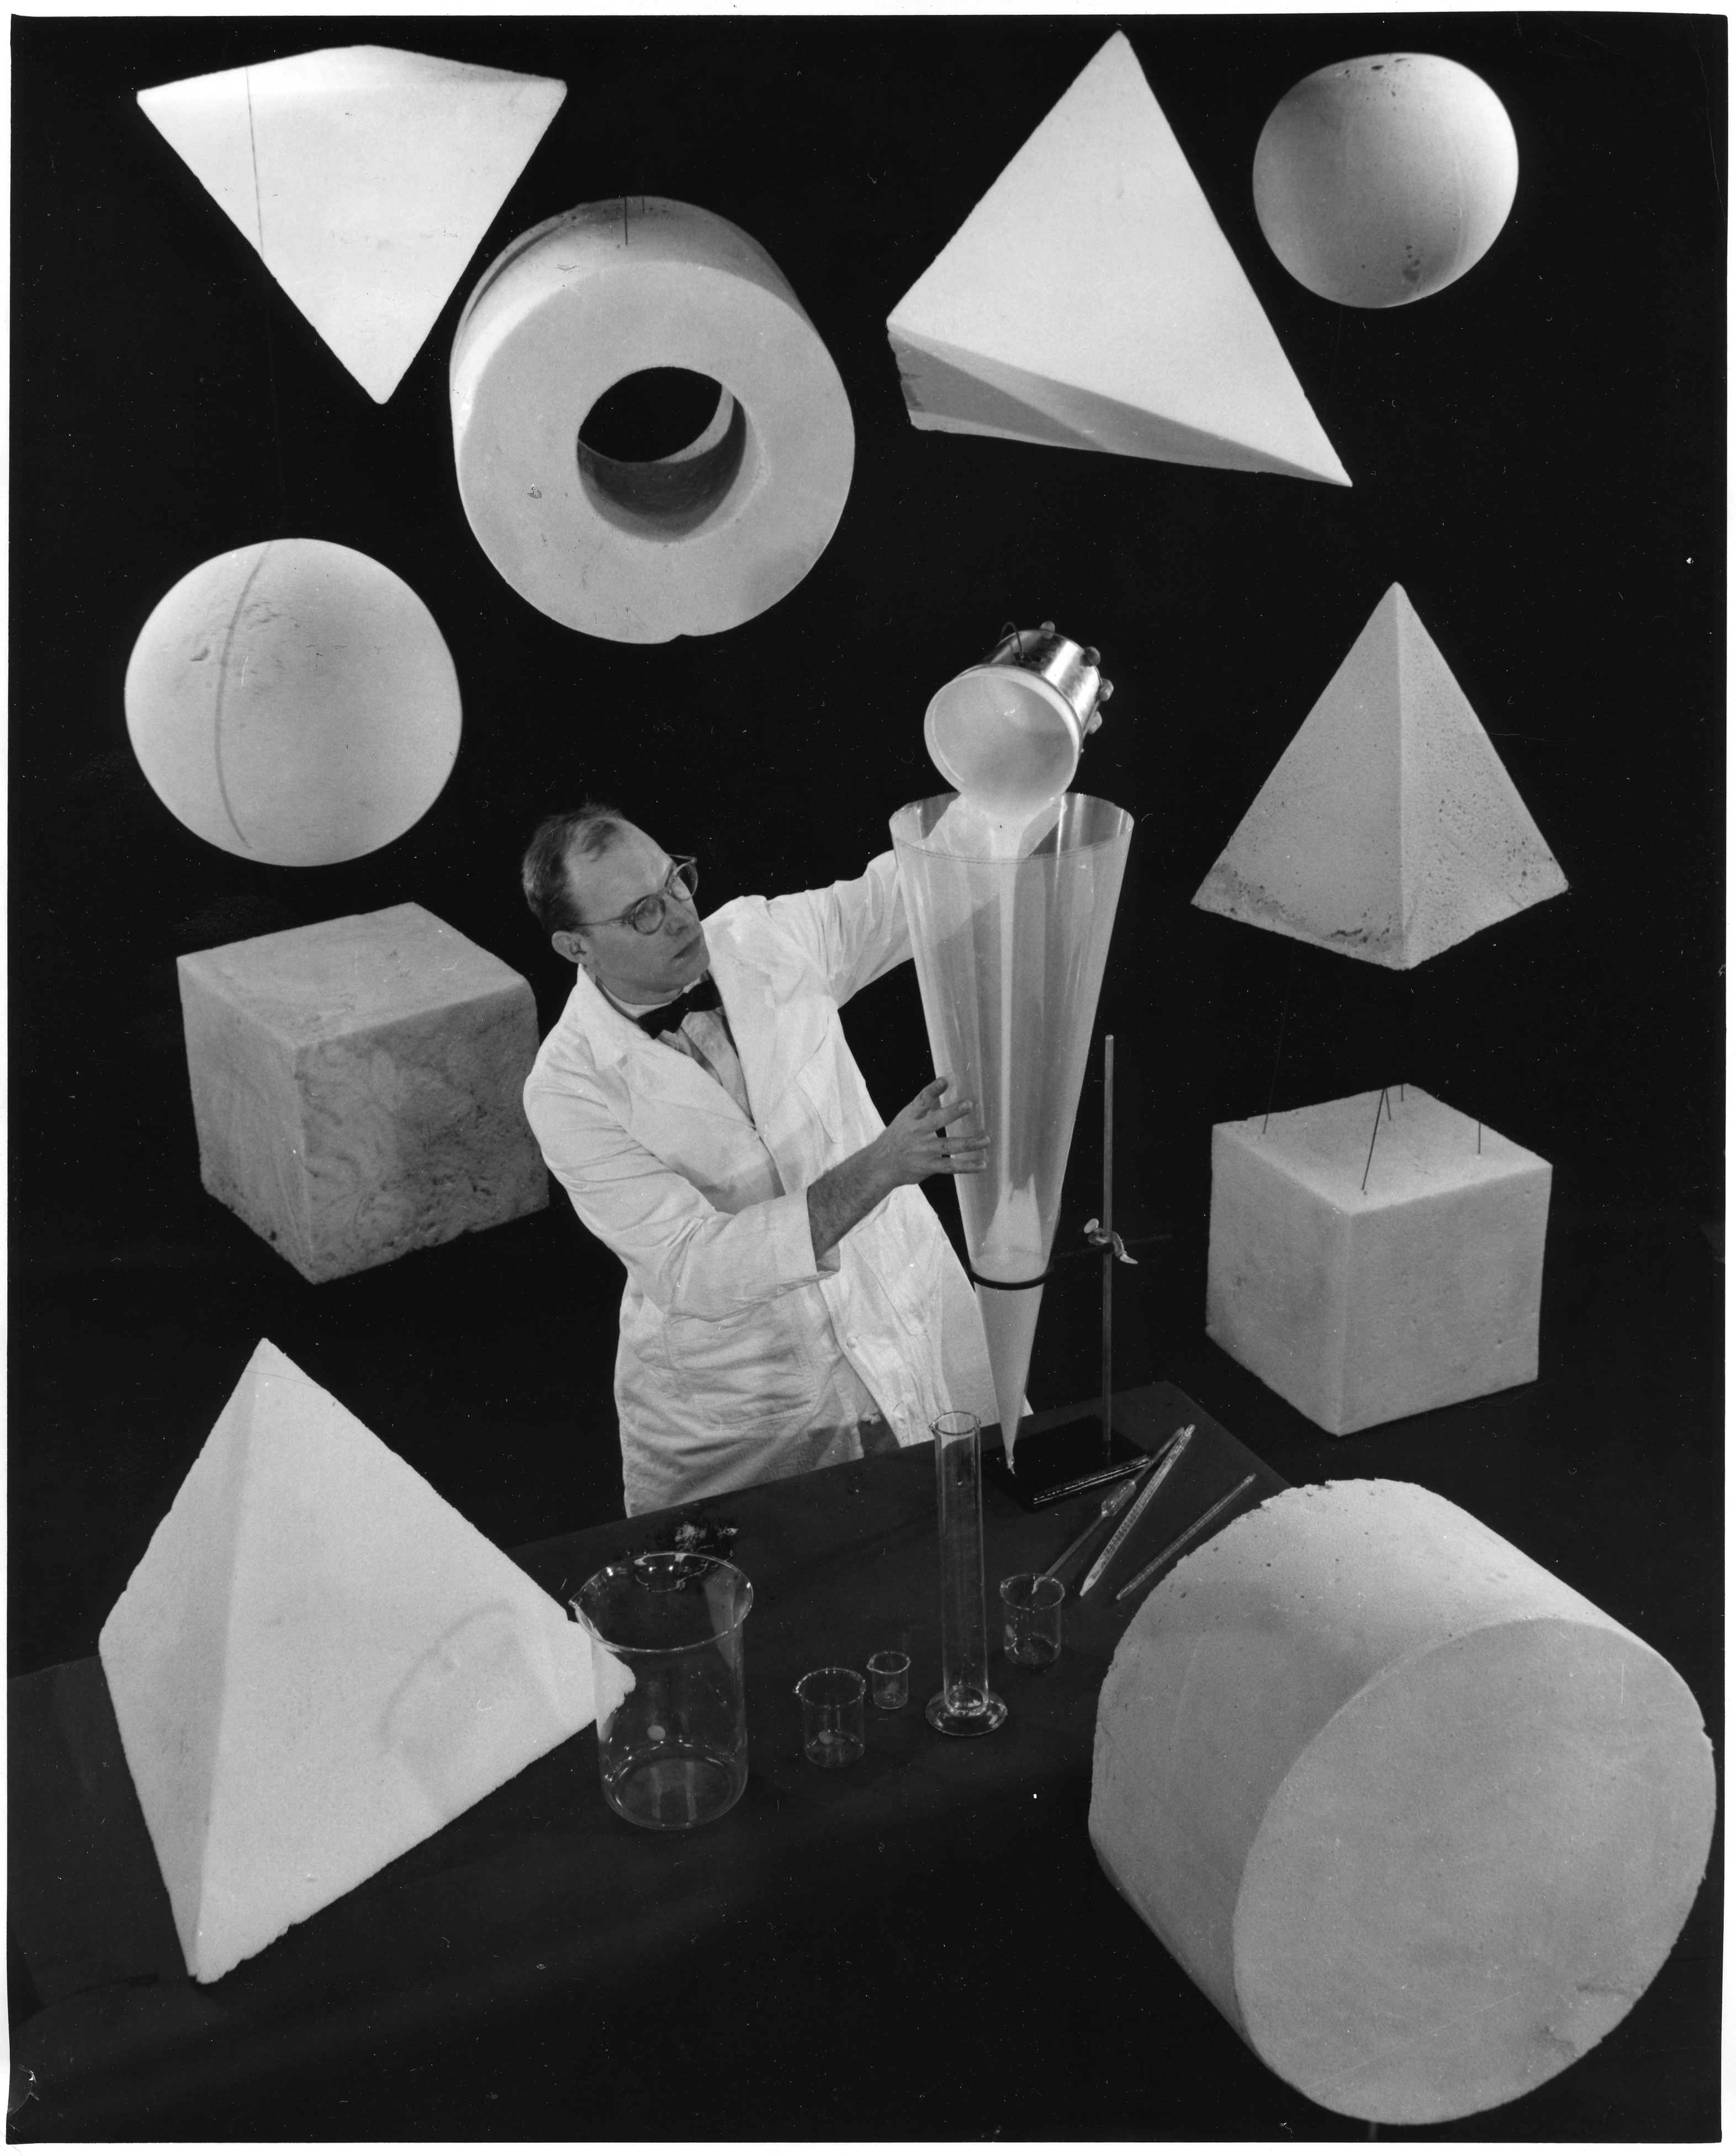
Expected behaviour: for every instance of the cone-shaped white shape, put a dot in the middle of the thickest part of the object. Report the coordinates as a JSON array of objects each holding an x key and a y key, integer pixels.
[
  {"x": 317, "y": 1663},
  {"x": 1389, "y": 829},
  {"x": 1090, "y": 300},
  {"x": 1010, "y": 944},
  {"x": 366, "y": 178},
  {"x": 1010, "y": 1326}
]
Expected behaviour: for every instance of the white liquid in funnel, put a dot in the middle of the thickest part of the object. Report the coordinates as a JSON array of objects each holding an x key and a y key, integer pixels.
[
  {"x": 968, "y": 828},
  {"x": 1009, "y": 943},
  {"x": 1014, "y": 1247}
]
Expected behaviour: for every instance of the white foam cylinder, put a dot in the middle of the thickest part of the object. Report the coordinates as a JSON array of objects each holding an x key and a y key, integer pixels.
[
  {"x": 681, "y": 546},
  {"x": 294, "y": 702},
  {"x": 1420, "y": 1820}
]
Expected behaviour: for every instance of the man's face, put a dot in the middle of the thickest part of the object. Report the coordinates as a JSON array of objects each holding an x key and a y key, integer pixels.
[{"x": 639, "y": 969}]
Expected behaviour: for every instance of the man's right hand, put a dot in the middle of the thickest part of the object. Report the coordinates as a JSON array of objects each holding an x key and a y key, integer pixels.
[
  {"x": 915, "y": 1145},
  {"x": 918, "y": 1143}
]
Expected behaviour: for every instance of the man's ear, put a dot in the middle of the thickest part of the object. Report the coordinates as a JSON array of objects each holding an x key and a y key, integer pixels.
[{"x": 567, "y": 945}]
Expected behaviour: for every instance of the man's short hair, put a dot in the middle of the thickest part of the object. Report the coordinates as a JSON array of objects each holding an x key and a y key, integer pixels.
[{"x": 589, "y": 832}]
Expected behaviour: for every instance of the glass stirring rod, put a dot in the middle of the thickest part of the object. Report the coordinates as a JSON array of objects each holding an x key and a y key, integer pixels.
[
  {"x": 1178, "y": 1446},
  {"x": 1108, "y": 1509}
]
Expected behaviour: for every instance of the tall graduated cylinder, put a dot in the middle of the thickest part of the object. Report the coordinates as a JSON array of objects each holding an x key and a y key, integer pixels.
[
  {"x": 964, "y": 1705},
  {"x": 667, "y": 1651}
]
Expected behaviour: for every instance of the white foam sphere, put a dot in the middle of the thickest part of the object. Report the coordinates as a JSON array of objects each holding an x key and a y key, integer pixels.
[
  {"x": 294, "y": 702},
  {"x": 1379, "y": 180}
]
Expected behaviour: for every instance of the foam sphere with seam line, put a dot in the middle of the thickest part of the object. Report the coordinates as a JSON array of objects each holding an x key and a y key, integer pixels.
[{"x": 294, "y": 702}]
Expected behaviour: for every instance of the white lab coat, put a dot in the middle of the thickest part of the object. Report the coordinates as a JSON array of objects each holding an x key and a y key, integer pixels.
[{"x": 728, "y": 1324}]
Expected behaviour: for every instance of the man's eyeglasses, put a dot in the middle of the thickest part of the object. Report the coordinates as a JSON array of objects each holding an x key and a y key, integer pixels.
[{"x": 647, "y": 915}]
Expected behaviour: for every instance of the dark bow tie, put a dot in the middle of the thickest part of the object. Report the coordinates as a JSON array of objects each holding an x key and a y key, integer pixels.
[{"x": 667, "y": 1017}]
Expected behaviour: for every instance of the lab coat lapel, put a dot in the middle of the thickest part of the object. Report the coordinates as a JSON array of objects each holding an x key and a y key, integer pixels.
[
  {"x": 775, "y": 1032},
  {"x": 660, "y": 1080}
]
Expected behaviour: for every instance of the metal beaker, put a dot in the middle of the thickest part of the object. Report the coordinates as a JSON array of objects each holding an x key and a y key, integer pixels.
[
  {"x": 671, "y": 1717},
  {"x": 1007, "y": 733}
]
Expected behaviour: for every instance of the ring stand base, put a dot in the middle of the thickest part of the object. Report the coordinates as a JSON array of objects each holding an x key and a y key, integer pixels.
[
  {"x": 1053, "y": 1463},
  {"x": 985, "y": 1713}
]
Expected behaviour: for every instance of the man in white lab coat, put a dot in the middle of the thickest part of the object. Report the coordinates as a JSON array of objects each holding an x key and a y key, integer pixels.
[{"x": 791, "y": 1299}]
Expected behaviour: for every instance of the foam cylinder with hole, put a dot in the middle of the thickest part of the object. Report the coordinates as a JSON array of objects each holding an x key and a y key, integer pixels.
[
  {"x": 1420, "y": 1820},
  {"x": 686, "y": 545},
  {"x": 293, "y": 702}
]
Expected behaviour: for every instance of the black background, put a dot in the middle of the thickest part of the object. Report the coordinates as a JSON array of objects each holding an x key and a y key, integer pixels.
[{"x": 1537, "y": 455}]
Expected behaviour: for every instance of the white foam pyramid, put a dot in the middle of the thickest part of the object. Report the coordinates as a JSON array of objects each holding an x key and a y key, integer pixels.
[
  {"x": 317, "y": 1663},
  {"x": 1389, "y": 829},
  {"x": 365, "y": 178},
  {"x": 1090, "y": 300}
]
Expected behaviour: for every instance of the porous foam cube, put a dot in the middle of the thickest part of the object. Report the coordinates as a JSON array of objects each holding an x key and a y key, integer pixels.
[
  {"x": 1361, "y": 1304},
  {"x": 357, "y": 1087}
]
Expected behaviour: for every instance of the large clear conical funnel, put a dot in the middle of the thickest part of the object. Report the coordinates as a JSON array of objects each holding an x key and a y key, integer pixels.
[{"x": 1010, "y": 931}]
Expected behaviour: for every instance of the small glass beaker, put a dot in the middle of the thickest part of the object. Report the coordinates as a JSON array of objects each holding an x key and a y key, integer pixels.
[
  {"x": 889, "y": 1673},
  {"x": 1031, "y": 1617},
  {"x": 831, "y": 1717},
  {"x": 666, "y": 1654}
]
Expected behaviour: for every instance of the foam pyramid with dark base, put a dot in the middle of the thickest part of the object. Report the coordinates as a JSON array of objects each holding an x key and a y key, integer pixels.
[{"x": 1389, "y": 829}]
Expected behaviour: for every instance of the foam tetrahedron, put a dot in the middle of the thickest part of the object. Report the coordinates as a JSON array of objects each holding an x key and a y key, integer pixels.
[
  {"x": 1092, "y": 300},
  {"x": 317, "y": 1663},
  {"x": 1389, "y": 829},
  {"x": 365, "y": 178}
]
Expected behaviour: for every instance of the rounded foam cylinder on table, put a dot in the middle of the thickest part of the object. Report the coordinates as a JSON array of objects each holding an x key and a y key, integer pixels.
[
  {"x": 680, "y": 546},
  {"x": 1380, "y": 180},
  {"x": 294, "y": 702},
  {"x": 1421, "y": 1821}
]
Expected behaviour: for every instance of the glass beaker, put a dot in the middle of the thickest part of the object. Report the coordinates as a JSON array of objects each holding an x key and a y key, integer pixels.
[
  {"x": 832, "y": 1717},
  {"x": 671, "y": 1717}
]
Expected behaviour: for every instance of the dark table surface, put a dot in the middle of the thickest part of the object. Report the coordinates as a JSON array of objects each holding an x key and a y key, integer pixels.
[{"x": 923, "y": 1946}]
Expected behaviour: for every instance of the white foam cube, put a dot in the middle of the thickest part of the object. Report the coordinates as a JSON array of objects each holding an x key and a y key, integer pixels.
[
  {"x": 1360, "y": 1304},
  {"x": 318, "y": 1662},
  {"x": 357, "y": 1087}
]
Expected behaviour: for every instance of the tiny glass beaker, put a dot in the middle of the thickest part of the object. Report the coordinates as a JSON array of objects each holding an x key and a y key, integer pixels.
[
  {"x": 1031, "y": 1617},
  {"x": 831, "y": 1715},
  {"x": 889, "y": 1672},
  {"x": 666, "y": 1657}
]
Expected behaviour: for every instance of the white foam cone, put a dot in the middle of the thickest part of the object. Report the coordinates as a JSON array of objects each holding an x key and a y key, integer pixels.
[
  {"x": 1010, "y": 934},
  {"x": 1010, "y": 1324}
]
